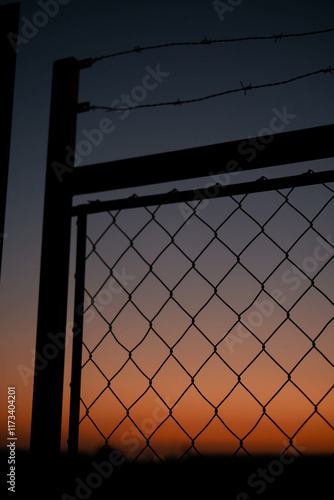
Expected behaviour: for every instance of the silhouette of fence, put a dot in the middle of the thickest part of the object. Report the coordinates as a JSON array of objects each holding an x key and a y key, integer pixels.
[
  {"x": 9, "y": 20},
  {"x": 200, "y": 303},
  {"x": 160, "y": 322}
]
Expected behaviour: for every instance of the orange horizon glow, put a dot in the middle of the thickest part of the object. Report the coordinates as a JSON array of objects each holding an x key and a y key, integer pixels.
[
  {"x": 237, "y": 414},
  {"x": 150, "y": 352},
  {"x": 171, "y": 344},
  {"x": 315, "y": 438}
]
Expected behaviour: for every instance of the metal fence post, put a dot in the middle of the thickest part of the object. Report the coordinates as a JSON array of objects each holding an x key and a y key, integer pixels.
[
  {"x": 52, "y": 308},
  {"x": 73, "y": 437},
  {"x": 9, "y": 21}
]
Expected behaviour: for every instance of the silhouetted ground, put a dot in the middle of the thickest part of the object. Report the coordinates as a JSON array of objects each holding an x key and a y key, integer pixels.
[{"x": 264, "y": 477}]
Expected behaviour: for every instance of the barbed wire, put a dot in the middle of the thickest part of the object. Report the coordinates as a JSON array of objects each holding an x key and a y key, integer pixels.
[
  {"x": 208, "y": 41},
  {"x": 243, "y": 89}
]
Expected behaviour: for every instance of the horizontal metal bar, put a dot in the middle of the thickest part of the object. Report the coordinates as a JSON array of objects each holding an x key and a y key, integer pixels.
[
  {"x": 261, "y": 185},
  {"x": 247, "y": 154}
]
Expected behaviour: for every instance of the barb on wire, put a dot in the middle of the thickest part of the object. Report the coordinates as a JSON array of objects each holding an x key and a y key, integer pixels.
[
  {"x": 249, "y": 87},
  {"x": 243, "y": 89},
  {"x": 208, "y": 41}
]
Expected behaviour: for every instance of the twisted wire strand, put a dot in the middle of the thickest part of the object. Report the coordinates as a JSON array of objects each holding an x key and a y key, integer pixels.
[
  {"x": 243, "y": 89},
  {"x": 208, "y": 41}
]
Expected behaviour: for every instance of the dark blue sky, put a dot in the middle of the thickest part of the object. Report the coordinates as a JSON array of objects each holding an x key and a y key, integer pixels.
[{"x": 85, "y": 29}]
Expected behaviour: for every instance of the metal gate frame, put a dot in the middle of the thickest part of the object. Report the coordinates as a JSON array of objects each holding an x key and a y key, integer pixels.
[
  {"x": 285, "y": 148},
  {"x": 9, "y": 25}
]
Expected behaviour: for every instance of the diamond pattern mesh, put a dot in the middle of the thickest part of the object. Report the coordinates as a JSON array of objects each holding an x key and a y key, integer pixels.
[{"x": 209, "y": 326}]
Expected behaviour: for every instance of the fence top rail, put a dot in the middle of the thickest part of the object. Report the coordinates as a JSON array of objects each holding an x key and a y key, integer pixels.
[
  {"x": 247, "y": 154},
  {"x": 307, "y": 179}
]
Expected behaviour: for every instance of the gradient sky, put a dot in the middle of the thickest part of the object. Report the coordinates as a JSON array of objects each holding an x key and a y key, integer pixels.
[{"x": 84, "y": 29}]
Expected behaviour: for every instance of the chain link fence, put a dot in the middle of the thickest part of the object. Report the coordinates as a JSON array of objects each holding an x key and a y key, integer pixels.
[{"x": 208, "y": 326}]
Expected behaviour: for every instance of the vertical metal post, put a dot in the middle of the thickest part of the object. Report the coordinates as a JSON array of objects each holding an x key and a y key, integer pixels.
[
  {"x": 9, "y": 22},
  {"x": 52, "y": 308},
  {"x": 73, "y": 436}
]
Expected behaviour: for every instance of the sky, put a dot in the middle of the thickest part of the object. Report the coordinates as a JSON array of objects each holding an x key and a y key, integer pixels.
[{"x": 87, "y": 29}]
